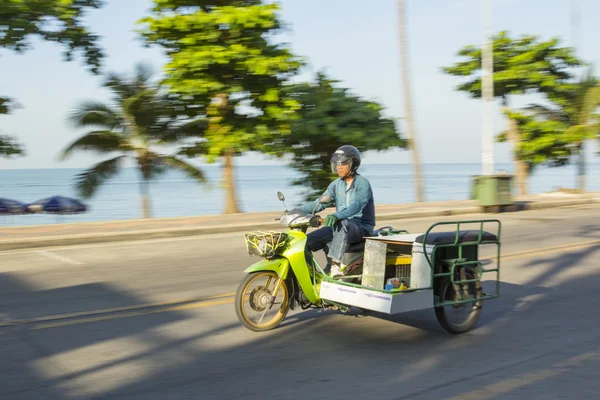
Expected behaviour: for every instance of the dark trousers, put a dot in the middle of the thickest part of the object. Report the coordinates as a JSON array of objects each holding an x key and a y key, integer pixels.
[{"x": 334, "y": 241}]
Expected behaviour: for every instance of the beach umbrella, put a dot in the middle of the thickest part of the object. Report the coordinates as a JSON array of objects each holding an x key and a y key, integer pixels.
[
  {"x": 57, "y": 205},
  {"x": 9, "y": 206}
]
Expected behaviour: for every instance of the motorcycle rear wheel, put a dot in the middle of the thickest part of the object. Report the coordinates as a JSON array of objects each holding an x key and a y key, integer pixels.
[{"x": 258, "y": 300}]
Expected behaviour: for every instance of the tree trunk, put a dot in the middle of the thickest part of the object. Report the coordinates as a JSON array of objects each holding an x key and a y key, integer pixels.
[
  {"x": 523, "y": 174},
  {"x": 412, "y": 141},
  {"x": 145, "y": 199},
  {"x": 581, "y": 168},
  {"x": 232, "y": 204},
  {"x": 521, "y": 169}
]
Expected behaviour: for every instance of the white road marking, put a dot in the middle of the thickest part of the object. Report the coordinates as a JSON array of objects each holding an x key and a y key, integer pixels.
[{"x": 58, "y": 257}]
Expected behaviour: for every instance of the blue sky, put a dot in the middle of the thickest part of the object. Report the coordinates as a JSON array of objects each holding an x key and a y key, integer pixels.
[{"x": 356, "y": 41}]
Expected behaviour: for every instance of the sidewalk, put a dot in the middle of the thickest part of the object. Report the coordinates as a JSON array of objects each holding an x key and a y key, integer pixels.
[{"x": 22, "y": 237}]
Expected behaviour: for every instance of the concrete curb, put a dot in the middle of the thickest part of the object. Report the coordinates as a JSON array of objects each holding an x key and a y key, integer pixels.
[{"x": 145, "y": 234}]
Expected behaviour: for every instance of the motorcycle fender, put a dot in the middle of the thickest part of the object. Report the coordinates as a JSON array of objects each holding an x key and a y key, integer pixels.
[{"x": 278, "y": 265}]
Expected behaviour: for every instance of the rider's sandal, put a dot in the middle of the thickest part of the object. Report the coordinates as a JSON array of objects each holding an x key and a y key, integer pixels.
[{"x": 336, "y": 272}]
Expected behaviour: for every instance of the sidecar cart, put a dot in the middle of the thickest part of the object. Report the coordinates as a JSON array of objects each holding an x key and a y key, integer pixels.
[{"x": 409, "y": 272}]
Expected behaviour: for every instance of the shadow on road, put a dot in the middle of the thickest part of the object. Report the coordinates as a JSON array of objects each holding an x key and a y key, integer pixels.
[
  {"x": 204, "y": 353},
  {"x": 22, "y": 350}
]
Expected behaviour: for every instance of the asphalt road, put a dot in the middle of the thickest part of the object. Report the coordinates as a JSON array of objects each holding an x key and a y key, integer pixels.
[{"x": 155, "y": 320}]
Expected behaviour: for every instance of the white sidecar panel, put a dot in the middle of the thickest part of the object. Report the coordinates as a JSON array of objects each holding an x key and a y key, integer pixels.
[
  {"x": 399, "y": 238},
  {"x": 377, "y": 301}
]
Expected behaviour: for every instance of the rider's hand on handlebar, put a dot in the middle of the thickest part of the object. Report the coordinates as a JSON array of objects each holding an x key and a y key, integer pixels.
[
  {"x": 315, "y": 221},
  {"x": 330, "y": 220}
]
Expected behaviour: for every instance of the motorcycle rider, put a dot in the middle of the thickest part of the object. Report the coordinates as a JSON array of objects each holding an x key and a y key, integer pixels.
[{"x": 354, "y": 217}]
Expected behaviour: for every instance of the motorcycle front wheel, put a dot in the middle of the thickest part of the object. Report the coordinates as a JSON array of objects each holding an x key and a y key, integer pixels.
[{"x": 257, "y": 299}]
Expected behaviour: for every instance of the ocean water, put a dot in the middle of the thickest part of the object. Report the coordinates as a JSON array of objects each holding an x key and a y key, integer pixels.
[{"x": 174, "y": 195}]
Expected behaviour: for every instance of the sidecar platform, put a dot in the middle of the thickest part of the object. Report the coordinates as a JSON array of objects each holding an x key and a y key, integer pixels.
[
  {"x": 375, "y": 300},
  {"x": 425, "y": 259}
]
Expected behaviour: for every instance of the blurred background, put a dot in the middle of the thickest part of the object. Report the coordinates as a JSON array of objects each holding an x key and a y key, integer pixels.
[{"x": 341, "y": 64}]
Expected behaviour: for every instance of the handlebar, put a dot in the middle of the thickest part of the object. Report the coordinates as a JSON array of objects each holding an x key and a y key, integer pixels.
[{"x": 314, "y": 221}]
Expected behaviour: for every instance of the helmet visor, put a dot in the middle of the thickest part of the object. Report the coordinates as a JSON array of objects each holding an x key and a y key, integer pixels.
[{"x": 335, "y": 163}]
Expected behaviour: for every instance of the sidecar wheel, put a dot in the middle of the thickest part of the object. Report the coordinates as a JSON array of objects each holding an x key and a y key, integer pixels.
[
  {"x": 449, "y": 317},
  {"x": 248, "y": 300}
]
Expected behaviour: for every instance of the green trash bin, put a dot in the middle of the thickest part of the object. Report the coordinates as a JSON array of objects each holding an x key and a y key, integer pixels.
[{"x": 492, "y": 190}]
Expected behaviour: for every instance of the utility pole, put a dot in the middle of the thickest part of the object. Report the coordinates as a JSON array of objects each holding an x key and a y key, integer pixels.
[
  {"x": 575, "y": 43},
  {"x": 487, "y": 82}
]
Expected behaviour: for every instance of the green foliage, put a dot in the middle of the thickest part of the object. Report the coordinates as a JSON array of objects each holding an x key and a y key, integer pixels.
[
  {"x": 222, "y": 63},
  {"x": 52, "y": 20},
  {"x": 141, "y": 118},
  {"x": 5, "y": 105},
  {"x": 527, "y": 64},
  {"x": 521, "y": 64},
  {"x": 10, "y": 147},
  {"x": 552, "y": 134},
  {"x": 574, "y": 104},
  {"x": 328, "y": 118},
  {"x": 543, "y": 142},
  {"x": 91, "y": 179}
]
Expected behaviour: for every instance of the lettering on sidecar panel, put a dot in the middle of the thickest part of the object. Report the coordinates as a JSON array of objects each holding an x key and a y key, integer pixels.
[
  {"x": 346, "y": 290},
  {"x": 377, "y": 296}
]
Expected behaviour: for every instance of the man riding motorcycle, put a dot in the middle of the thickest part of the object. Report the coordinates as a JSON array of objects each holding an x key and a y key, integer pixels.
[{"x": 354, "y": 217}]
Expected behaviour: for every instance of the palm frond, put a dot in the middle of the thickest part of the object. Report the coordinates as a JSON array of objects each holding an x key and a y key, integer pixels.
[
  {"x": 99, "y": 141},
  {"x": 93, "y": 113},
  {"x": 578, "y": 133},
  {"x": 90, "y": 180},
  {"x": 7, "y": 105},
  {"x": 9, "y": 146},
  {"x": 143, "y": 74},
  {"x": 547, "y": 113},
  {"x": 590, "y": 103},
  {"x": 142, "y": 108},
  {"x": 595, "y": 124},
  {"x": 195, "y": 149},
  {"x": 126, "y": 87},
  {"x": 173, "y": 132},
  {"x": 191, "y": 170},
  {"x": 120, "y": 86}
]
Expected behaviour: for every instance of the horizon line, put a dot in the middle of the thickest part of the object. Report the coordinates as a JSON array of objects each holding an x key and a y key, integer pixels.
[{"x": 267, "y": 165}]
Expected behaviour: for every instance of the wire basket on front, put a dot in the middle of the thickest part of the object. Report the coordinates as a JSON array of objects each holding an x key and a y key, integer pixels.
[{"x": 265, "y": 244}]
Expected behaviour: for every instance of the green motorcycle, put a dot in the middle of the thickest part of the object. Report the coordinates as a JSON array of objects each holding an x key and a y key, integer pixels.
[{"x": 445, "y": 274}]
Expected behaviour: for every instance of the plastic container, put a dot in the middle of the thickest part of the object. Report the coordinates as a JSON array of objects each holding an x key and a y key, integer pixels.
[{"x": 420, "y": 271}]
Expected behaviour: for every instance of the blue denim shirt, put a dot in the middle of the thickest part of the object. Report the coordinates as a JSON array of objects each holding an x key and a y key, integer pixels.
[{"x": 355, "y": 203}]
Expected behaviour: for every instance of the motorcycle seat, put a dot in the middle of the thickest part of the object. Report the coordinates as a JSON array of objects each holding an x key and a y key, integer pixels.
[
  {"x": 360, "y": 246},
  {"x": 356, "y": 247},
  {"x": 438, "y": 238}
]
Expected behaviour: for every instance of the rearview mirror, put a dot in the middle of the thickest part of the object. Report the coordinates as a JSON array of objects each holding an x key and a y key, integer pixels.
[
  {"x": 325, "y": 199},
  {"x": 280, "y": 196}
]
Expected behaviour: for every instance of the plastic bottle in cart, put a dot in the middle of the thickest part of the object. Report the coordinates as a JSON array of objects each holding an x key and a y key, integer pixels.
[{"x": 392, "y": 283}]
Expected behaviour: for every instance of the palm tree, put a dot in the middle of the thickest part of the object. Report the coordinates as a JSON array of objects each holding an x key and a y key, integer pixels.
[
  {"x": 141, "y": 118},
  {"x": 575, "y": 108}
]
